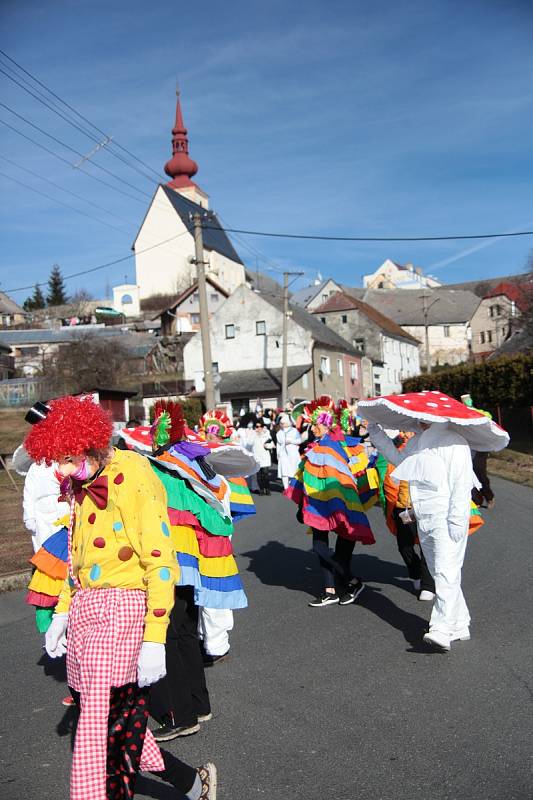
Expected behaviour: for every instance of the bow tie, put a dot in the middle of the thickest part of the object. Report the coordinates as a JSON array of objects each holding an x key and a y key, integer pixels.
[{"x": 96, "y": 490}]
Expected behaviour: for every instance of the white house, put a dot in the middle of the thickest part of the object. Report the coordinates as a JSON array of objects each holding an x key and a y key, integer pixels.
[
  {"x": 310, "y": 297},
  {"x": 391, "y": 275}
]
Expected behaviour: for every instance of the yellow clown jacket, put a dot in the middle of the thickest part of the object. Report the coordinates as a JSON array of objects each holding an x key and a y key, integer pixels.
[{"x": 127, "y": 544}]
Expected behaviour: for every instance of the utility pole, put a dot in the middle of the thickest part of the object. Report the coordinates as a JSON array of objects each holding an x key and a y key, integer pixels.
[
  {"x": 425, "y": 312},
  {"x": 286, "y": 315},
  {"x": 204, "y": 313}
]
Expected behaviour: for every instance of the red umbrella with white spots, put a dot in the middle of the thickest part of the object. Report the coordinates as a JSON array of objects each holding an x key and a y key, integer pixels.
[{"x": 402, "y": 410}]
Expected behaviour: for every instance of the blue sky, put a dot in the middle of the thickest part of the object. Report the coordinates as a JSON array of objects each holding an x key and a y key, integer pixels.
[{"x": 330, "y": 117}]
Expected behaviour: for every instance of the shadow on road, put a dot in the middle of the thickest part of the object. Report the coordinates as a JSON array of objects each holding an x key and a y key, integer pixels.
[
  {"x": 275, "y": 564},
  {"x": 55, "y": 668}
]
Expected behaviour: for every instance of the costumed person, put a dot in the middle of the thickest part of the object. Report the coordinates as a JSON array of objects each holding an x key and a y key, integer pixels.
[
  {"x": 288, "y": 441},
  {"x": 325, "y": 488},
  {"x": 262, "y": 446},
  {"x": 46, "y": 515},
  {"x": 396, "y": 503},
  {"x": 437, "y": 465},
  {"x": 483, "y": 495},
  {"x": 113, "y": 612},
  {"x": 215, "y": 624}
]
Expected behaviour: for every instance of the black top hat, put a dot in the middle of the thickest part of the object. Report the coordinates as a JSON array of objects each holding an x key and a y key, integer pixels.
[{"x": 37, "y": 413}]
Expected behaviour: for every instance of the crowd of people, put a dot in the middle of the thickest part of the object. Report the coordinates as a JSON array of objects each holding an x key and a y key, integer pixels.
[{"x": 135, "y": 578}]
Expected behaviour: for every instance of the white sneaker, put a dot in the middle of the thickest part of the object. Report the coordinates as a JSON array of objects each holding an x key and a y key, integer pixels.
[
  {"x": 425, "y": 595},
  {"x": 438, "y": 640},
  {"x": 417, "y": 584},
  {"x": 461, "y": 636}
]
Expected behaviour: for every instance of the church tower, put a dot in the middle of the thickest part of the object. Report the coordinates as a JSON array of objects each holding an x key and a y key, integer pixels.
[{"x": 181, "y": 166}]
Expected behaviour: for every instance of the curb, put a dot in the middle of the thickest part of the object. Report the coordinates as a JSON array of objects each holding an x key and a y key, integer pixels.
[{"x": 14, "y": 580}]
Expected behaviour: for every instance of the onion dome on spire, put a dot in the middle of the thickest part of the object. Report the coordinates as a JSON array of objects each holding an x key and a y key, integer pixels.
[{"x": 181, "y": 167}]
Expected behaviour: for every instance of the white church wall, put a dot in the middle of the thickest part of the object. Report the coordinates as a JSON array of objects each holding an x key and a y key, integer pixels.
[{"x": 227, "y": 273}]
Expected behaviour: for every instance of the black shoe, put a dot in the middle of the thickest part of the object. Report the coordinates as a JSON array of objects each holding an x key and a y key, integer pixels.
[
  {"x": 352, "y": 593},
  {"x": 326, "y": 599},
  {"x": 210, "y": 661},
  {"x": 167, "y": 732}
]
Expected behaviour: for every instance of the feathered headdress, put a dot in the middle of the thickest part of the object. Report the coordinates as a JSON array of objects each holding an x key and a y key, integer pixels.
[
  {"x": 321, "y": 411},
  {"x": 216, "y": 422},
  {"x": 67, "y": 426},
  {"x": 169, "y": 424},
  {"x": 345, "y": 416}
]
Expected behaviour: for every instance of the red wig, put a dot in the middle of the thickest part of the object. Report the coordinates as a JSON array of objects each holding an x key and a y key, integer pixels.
[{"x": 72, "y": 427}]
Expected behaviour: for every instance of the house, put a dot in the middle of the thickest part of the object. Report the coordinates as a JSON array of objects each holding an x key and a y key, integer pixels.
[
  {"x": 184, "y": 313},
  {"x": 483, "y": 286},
  {"x": 392, "y": 350},
  {"x": 497, "y": 316},
  {"x": 164, "y": 246},
  {"x": 391, "y": 275},
  {"x": 11, "y": 314},
  {"x": 246, "y": 341},
  {"x": 7, "y": 362},
  {"x": 447, "y": 313},
  {"x": 310, "y": 297}
]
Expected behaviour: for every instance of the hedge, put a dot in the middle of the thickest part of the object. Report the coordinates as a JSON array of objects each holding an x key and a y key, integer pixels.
[{"x": 505, "y": 381}]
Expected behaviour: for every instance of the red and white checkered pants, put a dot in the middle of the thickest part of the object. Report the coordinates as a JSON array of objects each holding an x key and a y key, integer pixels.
[{"x": 105, "y": 631}]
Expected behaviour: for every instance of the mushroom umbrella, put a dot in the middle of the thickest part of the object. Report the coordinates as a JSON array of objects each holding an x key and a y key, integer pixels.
[{"x": 405, "y": 410}]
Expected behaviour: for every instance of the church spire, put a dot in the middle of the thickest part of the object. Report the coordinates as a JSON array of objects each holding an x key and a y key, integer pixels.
[{"x": 181, "y": 167}]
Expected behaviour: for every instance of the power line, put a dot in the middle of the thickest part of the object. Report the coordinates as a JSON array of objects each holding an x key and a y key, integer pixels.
[
  {"x": 374, "y": 238},
  {"x": 100, "y": 266},
  {"x": 79, "y": 114}
]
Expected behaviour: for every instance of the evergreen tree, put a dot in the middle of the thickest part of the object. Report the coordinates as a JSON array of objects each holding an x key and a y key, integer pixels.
[
  {"x": 56, "y": 288},
  {"x": 36, "y": 301}
]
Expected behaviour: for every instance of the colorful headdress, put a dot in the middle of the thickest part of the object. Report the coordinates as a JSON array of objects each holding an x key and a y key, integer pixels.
[
  {"x": 68, "y": 426},
  {"x": 345, "y": 416},
  {"x": 169, "y": 424},
  {"x": 216, "y": 422},
  {"x": 321, "y": 412}
]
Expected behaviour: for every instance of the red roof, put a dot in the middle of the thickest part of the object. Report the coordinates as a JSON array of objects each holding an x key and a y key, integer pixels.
[
  {"x": 520, "y": 293},
  {"x": 344, "y": 302}
]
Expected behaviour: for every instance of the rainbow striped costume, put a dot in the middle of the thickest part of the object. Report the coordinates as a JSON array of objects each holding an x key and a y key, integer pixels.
[{"x": 333, "y": 487}]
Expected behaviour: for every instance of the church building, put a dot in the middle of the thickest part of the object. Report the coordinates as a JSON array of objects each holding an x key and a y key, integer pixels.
[{"x": 164, "y": 245}]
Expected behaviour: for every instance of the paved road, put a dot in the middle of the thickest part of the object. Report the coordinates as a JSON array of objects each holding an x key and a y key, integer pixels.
[{"x": 339, "y": 703}]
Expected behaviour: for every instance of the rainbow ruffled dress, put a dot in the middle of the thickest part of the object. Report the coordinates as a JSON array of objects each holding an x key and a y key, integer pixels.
[
  {"x": 334, "y": 487},
  {"x": 201, "y": 529},
  {"x": 50, "y": 563}
]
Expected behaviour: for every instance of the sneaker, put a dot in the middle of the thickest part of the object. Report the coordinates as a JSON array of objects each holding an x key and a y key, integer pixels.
[
  {"x": 208, "y": 776},
  {"x": 326, "y": 599},
  {"x": 68, "y": 701},
  {"x": 352, "y": 593},
  {"x": 205, "y": 717},
  {"x": 439, "y": 641},
  {"x": 167, "y": 732},
  {"x": 417, "y": 584},
  {"x": 461, "y": 636},
  {"x": 210, "y": 661},
  {"x": 426, "y": 596}
]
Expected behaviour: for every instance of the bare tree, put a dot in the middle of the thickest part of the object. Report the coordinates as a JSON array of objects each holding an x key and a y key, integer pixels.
[{"x": 85, "y": 364}]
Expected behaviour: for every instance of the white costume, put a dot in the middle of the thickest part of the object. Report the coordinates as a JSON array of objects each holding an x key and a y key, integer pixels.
[
  {"x": 262, "y": 444},
  {"x": 438, "y": 466},
  {"x": 287, "y": 442},
  {"x": 41, "y": 503}
]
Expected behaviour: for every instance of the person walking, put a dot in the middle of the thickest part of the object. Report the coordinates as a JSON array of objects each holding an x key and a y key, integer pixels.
[
  {"x": 288, "y": 441},
  {"x": 262, "y": 446}
]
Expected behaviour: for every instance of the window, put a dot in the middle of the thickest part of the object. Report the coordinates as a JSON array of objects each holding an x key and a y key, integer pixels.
[
  {"x": 359, "y": 344},
  {"x": 260, "y": 328},
  {"x": 195, "y": 319},
  {"x": 214, "y": 297},
  {"x": 214, "y": 367},
  {"x": 344, "y": 318},
  {"x": 353, "y": 370},
  {"x": 482, "y": 337},
  {"x": 305, "y": 381},
  {"x": 324, "y": 297},
  {"x": 489, "y": 336},
  {"x": 196, "y": 297},
  {"x": 495, "y": 311},
  {"x": 323, "y": 320},
  {"x": 513, "y": 308},
  {"x": 446, "y": 330},
  {"x": 339, "y": 367},
  {"x": 230, "y": 331},
  {"x": 325, "y": 365},
  {"x": 377, "y": 389}
]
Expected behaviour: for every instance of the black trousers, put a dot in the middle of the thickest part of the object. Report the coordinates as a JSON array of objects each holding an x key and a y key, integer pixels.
[
  {"x": 182, "y": 694},
  {"x": 263, "y": 479},
  {"x": 335, "y": 567},
  {"x": 416, "y": 564}
]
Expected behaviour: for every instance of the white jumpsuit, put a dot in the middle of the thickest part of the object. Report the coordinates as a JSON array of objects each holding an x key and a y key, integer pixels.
[{"x": 438, "y": 466}]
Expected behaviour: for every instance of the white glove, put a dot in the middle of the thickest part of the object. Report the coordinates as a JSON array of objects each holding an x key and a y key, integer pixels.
[
  {"x": 55, "y": 640},
  {"x": 456, "y": 531},
  {"x": 152, "y": 663}
]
